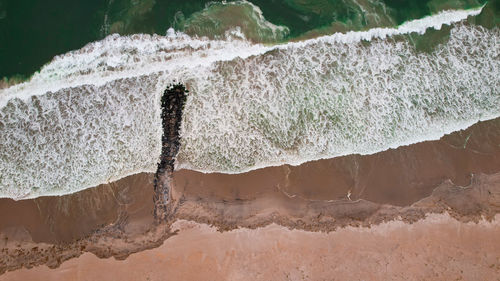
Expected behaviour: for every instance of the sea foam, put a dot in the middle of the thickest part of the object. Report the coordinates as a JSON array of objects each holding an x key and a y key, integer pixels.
[
  {"x": 330, "y": 98},
  {"x": 92, "y": 116}
]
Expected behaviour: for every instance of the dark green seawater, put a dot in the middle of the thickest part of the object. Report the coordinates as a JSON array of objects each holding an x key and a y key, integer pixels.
[{"x": 33, "y": 32}]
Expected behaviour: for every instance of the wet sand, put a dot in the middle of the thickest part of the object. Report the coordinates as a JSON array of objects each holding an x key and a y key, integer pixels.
[
  {"x": 399, "y": 176},
  {"x": 56, "y": 219},
  {"x": 436, "y": 248},
  {"x": 459, "y": 175}
]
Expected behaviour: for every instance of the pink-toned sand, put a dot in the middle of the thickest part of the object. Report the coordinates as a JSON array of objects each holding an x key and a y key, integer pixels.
[{"x": 436, "y": 248}]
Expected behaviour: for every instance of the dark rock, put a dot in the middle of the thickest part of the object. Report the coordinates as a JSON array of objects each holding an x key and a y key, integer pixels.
[{"x": 172, "y": 103}]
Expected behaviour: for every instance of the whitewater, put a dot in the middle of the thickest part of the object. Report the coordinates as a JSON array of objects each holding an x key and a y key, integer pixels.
[{"x": 92, "y": 116}]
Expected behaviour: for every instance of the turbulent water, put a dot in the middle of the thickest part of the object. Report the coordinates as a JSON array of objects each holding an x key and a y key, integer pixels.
[{"x": 93, "y": 115}]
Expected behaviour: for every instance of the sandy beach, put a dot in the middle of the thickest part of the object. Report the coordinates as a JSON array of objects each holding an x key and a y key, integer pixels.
[
  {"x": 435, "y": 248},
  {"x": 304, "y": 219}
]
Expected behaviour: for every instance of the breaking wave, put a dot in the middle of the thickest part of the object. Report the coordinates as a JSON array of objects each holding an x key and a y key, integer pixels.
[
  {"x": 93, "y": 115},
  {"x": 328, "y": 99}
]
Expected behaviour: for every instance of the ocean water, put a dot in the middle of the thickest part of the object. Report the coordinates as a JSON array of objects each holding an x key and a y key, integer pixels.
[
  {"x": 92, "y": 115},
  {"x": 337, "y": 96},
  {"x": 32, "y": 32}
]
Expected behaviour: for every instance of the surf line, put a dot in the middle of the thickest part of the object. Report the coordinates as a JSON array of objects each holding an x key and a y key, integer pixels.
[
  {"x": 70, "y": 70},
  {"x": 172, "y": 104}
]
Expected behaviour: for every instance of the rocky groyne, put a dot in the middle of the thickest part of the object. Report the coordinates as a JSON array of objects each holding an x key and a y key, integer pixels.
[{"x": 172, "y": 103}]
